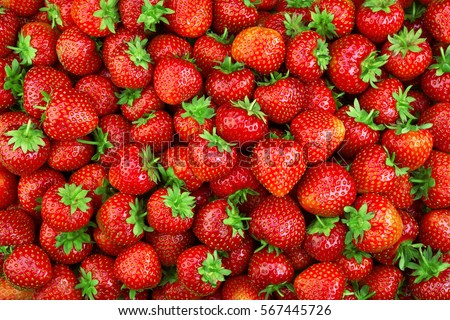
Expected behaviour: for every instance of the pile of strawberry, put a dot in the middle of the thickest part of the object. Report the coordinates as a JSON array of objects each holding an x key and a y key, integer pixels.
[{"x": 224, "y": 149}]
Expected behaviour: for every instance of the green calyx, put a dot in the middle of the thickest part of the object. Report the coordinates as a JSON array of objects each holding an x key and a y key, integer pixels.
[
  {"x": 105, "y": 190},
  {"x": 137, "y": 52},
  {"x": 6, "y": 251},
  {"x": 276, "y": 288},
  {"x": 337, "y": 95},
  {"x": 137, "y": 217},
  {"x": 53, "y": 13},
  {"x": 87, "y": 284},
  {"x": 14, "y": 79},
  {"x": 212, "y": 270},
  {"x": 294, "y": 24},
  {"x": 75, "y": 197},
  {"x": 415, "y": 11},
  {"x": 379, "y": 5},
  {"x": 428, "y": 265},
  {"x": 390, "y": 162},
  {"x": 406, "y": 41},
  {"x": 402, "y": 128},
  {"x": 362, "y": 116},
  {"x": 403, "y": 104},
  {"x": 266, "y": 246},
  {"x": 322, "y": 225},
  {"x": 358, "y": 222},
  {"x": 253, "y": 108},
  {"x": 74, "y": 240},
  {"x": 251, "y": 3},
  {"x": 100, "y": 141},
  {"x": 422, "y": 182},
  {"x": 299, "y": 3},
  {"x": 237, "y": 223},
  {"x": 144, "y": 119},
  {"x": 109, "y": 15},
  {"x": 322, "y": 54},
  {"x": 128, "y": 96},
  {"x": 286, "y": 136},
  {"x": 322, "y": 22},
  {"x": 150, "y": 164},
  {"x": 351, "y": 252},
  {"x": 152, "y": 14},
  {"x": 131, "y": 292},
  {"x": 181, "y": 203},
  {"x": 241, "y": 196},
  {"x": 371, "y": 67},
  {"x": 442, "y": 64},
  {"x": 24, "y": 49},
  {"x": 224, "y": 38},
  {"x": 199, "y": 109},
  {"x": 27, "y": 138},
  {"x": 227, "y": 66},
  {"x": 361, "y": 293},
  {"x": 406, "y": 253},
  {"x": 274, "y": 78},
  {"x": 216, "y": 141}
]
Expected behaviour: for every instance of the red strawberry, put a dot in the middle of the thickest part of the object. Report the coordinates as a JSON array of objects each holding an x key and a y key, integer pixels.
[
  {"x": 299, "y": 258},
  {"x": 117, "y": 129},
  {"x": 321, "y": 281},
  {"x": 176, "y": 80},
  {"x": 239, "y": 179},
  {"x": 105, "y": 243},
  {"x": 437, "y": 115},
  {"x": 60, "y": 287},
  {"x": 135, "y": 103},
  {"x": 138, "y": 267},
  {"x": 383, "y": 281},
  {"x": 140, "y": 16},
  {"x": 70, "y": 155},
  {"x": 58, "y": 13},
  {"x": 177, "y": 291},
  {"x": 8, "y": 188},
  {"x": 200, "y": 270},
  {"x": 296, "y": 7},
  {"x": 9, "y": 29},
  {"x": 11, "y": 77},
  {"x": 435, "y": 81},
  {"x": 237, "y": 260},
  {"x": 278, "y": 165},
  {"x": 23, "y": 8},
  {"x": 354, "y": 263},
  {"x": 11, "y": 119},
  {"x": 17, "y": 228},
  {"x": 28, "y": 266},
  {"x": 333, "y": 17},
  {"x": 96, "y": 18},
  {"x": 319, "y": 96},
  {"x": 278, "y": 222},
  {"x": 233, "y": 15},
  {"x": 437, "y": 26},
  {"x": 268, "y": 96},
  {"x": 266, "y": 53},
  {"x": 190, "y": 19},
  {"x": 101, "y": 90},
  {"x": 77, "y": 52},
  {"x": 433, "y": 230},
  {"x": 400, "y": 196},
  {"x": 168, "y": 45},
  {"x": 169, "y": 246},
  {"x": 240, "y": 288},
  {"x": 9, "y": 292},
  {"x": 154, "y": 129},
  {"x": 111, "y": 42}
]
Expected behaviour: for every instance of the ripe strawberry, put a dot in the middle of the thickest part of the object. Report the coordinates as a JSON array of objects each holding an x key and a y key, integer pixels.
[
  {"x": 374, "y": 224},
  {"x": 140, "y": 15},
  {"x": 431, "y": 182},
  {"x": 169, "y": 246},
  {"x": 11, "y": 119},
  {"x": 240, "y": 288},
  {"x": 383, "y": 281},
  {"x": 354, "y": 263},
  {"x": 28, "y": 267},
  {"x": 60, "y": 287},
  {"x": 298, "y": 7},
  {"x": 77, "y": 52},
  {"x": 267, "y": 52},
  {"x": 361, "y": 61},
  {"x": 400, "y": 196},
  {"x": 8, "y": 187},
  {"x": 299, "y": 258},
  {"x": 239, "y": 179},
  {"x": 190, "y": 19},
  {"x": 97, "y": 279},
  {"x": 58, "y": 13},
  {"x": 105, "y": 243},
  {"x": 234, "y": 15},
  {"x": 96, "y": 18},
  {"x": 409, "y": 54},
  {"x": 229, "y": 82},
  {"x": 237, "y": 260},
  {"x": 11, "y": 77},
  {"x": 154, "y": 129},
  {"x": 319, "y": 133},
  {"x": 321, "y": 281},
  {"x": 278, "y": 165},
  {"x": 121, "y": 218},
  {"x": 116, "y": 130},
  {"x": 433, "y": 230},
  {"x": 70, "y": 155},
  {"x": 177, "y": 291},
  {"x": 138, "y": 267},
  {"x": 10, "y": 292},
  {"x": 17, "y": 228},
  {"x": 168, "y": 45},
  {"x": 435, "y": 81},
  {"x": 102, "y": 91},
  {"x": 66, "y": 247},
  {"x": 200, "y": 270},
  {"x": 319, "y": 96},
  {"x": 437, "y": 115},
  {"x": 9, "y": 29},
  {"x": 176, "y": 80},
  {"x": 439, "y": 28},
  {"x": 333, "y": 17},
  {"x": 268, "y": 94},
  {"x": 135, "y": 103},
  {"x": 278, "y": 222},
  {"x": 23, "y": 8},
  {"x": 24, "y": 149}
]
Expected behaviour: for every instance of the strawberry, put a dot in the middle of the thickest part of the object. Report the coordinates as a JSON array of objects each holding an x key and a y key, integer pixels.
[
  {"x": 200, "y": 270},
  {"x": 169, "y": 246},
  {"x": 383, "y": 281},
  {"x": 135, "y": 172},
  {"x": 438, "y": 27},
  {"x": 239, "y": 179},
  {"x": 24, "y": 149},
  {"x": 117, "y": 129},
  {"x": 177, "y": 291},
  {"x": 437, "y": 115},
  {"x": 210, "y": 157},
  {"x": 278, "y": 222},
  {"x": 268, "y": 94},
  {"x": 433, "y": 230},
  {"x": 154, "y": 129},
  {"x": 298, "y": 7},
  {"x": 405, "y": 50},
  {"x": 176, "y": 80},
  {"x": 96, "y": 18},
  {"x": 168, "y": 45},
  {"x": 234, "y": 15},
  {"x": 105, "y": 244},
  {"x": 111, "y": 42},
  {"x": 28, "y": 267},
  {"x": 97, "y": 279},
  {"x": 11, "y": 77},
  {"x": 352, "y": 70},
  {"x": 8, "y": 187},
  {"x": 237, "y": 260},
  {"x": 58, "y": 13},
  {"x": 278, "y": 165},
  {"x": 121, "y": 218},
  {"x": 77, "y": 52},
  {"x": 17, "y": 228},
  {"x": 373, "y": 222},
  {"x": 332, "y": 17},
  {"x": 70, "y": 155},
  {"x": 400, "y": 196},
  {"x": 11, "y": 119},
  {"x": 23, "y": 8},
  {"x": 229, "y": 82},
  {"x": 138, "y": 267},
  {"x": 319, "y": 96},
  {"x": 60, "y": 287},
  {"x": 135, "y": 103},
  {"x": 10, "y": 292},
  {"x": 435, "y": 81},
  {"x": 319, "y": 133},
  {"x": 240, "y": 288},
  {"x": 101, "y": 90},
  {"x": 321, "y": 281},
  {"x": 354, "y": 263},
  {"x": 267, "y": 52},
  {"x": 9, "y": 29},
  {"x": 299, "y": 258},
  {"x": 190, "y": 19}
]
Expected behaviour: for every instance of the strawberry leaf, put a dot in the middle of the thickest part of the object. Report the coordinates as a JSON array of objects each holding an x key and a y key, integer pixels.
[
  {"x": 74, "y": 240},
  {"x": 235, "y": 221},
  {"x": 253, "y": 108},
  {"x": 428, "y": 265},
  {"x": 152, "y": 14},
  {"x": 137, "y": 217},
  {"x": 137, "y": 52},
  {"x": 198, "y": 109},
  {"x": 212, "y": 270},
  {"x": 53, "y": 13},
  {"x": 322, "y": 22},
  {"x": 87, "y": 284},
  {"x": 27, "y": 138},
  {"x": 361, "y": 116},
  {"x": 109, "y": 14},
  {"x": 181, "y": 203},
  {"x": 75, "y": 197},
  {"x": 322, "y": 225},
  {"x": 422, "y": 182},
  {"x": 24, "y": 49},
  {"x": 216, "y": 141},
  {"x": 358, "y": 222}
]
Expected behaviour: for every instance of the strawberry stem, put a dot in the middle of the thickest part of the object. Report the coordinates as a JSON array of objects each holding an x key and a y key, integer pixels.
[
  {"x": 14, "y": 78},
  {"x": 144, "y": 119},
  {"x": 27, "y": 138},
  {"x": 442, "y": 64},
  {"x": 358, "y": 222},
  {"x": 361, "y": 116},
  {"x": 379, "y": 5},
  {"x": 322, "y": 54},
  {"x": 299, "y": 3},
  {"x": 272, "y": 288},
  {"x": 406, "y": 41},
  {"x": 128, "y": 96},
  {"x": 100, "y": 141},
  {"x": 24, "y": 49},
  {"x": 74, "y": 240},
  {"x": 109, "y": 15},
  {"x": 87, "y": 284},
  {"x": 198, "y": 109},
  {"x": 428, "y": 265},
  {"x": 371, "y": 67},
  {"x": 106, "y": 190},
  {"x": 137, "y": 52},
  {"x": 322, "y": 225},
  {"x": 240, "y": 196},
  {"x": 227, "y": 66},
  {"x": 137, "y": 217},
  {"x": 212, "y": 270},
  {"x": 149, "y": 164},
  {"x": 351, "y": 252},
  {"x": 390, "y": 162},
  {"x": 181, "y": 203},
  {"x": 322, "y": 22},
  {"x": 294, "y": 24},
  {"x": 235, "y": 221},
  {"x": 216, "y": 141},
  {"x": 403, "y": 104},
  {"x": 152, "y": 14},
  {"x": 253, "y": 108},
  {"x": 53, "y": 13},
  {"x": 422, "y": 182},
  {"x": 224, "y": 38},
  {"x": 75, "y": 197}
]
